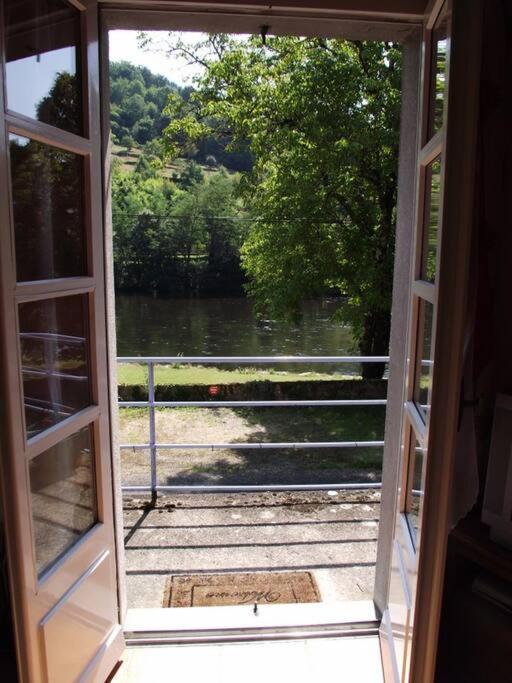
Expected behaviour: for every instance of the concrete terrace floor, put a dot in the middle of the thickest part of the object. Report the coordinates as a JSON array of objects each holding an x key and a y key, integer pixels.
[{"x": 332, "y": 534}]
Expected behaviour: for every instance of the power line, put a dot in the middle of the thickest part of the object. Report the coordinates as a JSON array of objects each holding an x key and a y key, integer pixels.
[{"x": 238, "y": 218}]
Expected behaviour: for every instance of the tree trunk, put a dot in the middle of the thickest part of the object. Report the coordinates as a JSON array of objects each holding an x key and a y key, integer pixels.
[{"x": 375, "y": 342}]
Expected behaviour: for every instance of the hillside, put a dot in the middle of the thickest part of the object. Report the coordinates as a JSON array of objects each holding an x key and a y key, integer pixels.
[
  {"x": 138, "y": 103},
  {"x": 128, "y": 158}
]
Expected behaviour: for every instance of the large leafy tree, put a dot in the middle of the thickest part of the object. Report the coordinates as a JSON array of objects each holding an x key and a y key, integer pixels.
[{"x": 321, "y": 118}]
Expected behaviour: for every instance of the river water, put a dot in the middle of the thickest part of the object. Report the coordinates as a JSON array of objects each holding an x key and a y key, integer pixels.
[{"x": 155, "y": 326}]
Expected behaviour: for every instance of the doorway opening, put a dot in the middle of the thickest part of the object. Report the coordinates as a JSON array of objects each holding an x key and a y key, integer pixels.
[
  {"x": 54, "y": 342},
  {"x": 251, "y": 426}
]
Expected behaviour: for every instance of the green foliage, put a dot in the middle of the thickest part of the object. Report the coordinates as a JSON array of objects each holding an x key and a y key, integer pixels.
[
  {"x": 142, "y": 240},
  {"x": 139, "y": 102},
  {"x": 46, "y": 188},
  {"x": 175, "y": 238},
  {"x": 138, "y": 98},
  {"x": 191, "y": 175},
  {"x": 62, "y": 106},
  {"x": 224, "y": 220},
  {"x": 127, "y": 141},
  {"x": 322, "y": 121}
]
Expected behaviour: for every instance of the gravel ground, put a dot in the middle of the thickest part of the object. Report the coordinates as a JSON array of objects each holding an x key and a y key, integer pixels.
[{"x": 265, "y": 466}]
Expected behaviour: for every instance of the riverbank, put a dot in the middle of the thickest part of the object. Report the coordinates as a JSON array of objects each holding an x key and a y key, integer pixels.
[{"x": 131, "y": 374}]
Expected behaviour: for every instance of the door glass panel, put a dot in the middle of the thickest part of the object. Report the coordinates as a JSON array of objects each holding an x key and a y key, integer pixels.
[
  {"x": 55, "y": 363},
  {"x": 63, "y": 496},
  {"x": 48, "y": 211},
  {"x": 438, "y": 74},
  {"x": 416, "y": 488},
  {"x": 43, "y": 62},
  {"x": 424, "y": 361},
  {"x": 431, "y": 229}
]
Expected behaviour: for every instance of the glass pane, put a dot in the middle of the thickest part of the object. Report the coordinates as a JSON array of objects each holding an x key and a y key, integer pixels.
[
  {"x": 431, "y": 220},
  {"x": 55, "y": 362},
  {"x": 47, "y": 196},
  {"x": 416, "y": 482},
  {"x": 438, "y": 74},
  {"x": 63, "y": 496},
  {"x": 43, "y": 62},
  {"x": 424, "y": 360}
]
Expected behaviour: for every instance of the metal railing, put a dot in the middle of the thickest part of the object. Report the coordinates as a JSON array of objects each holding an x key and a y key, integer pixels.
[
  {"x": 152, "y": 404},
  {"x": 51, "y": 343}
]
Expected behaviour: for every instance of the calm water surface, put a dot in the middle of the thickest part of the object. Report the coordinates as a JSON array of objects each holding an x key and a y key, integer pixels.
[{"x": 149, "y": 326}]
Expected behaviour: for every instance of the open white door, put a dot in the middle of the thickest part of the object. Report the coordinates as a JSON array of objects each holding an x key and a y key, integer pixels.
[
  {"x": 56, "y": 471},
  {"x": 436, "y": 318}
]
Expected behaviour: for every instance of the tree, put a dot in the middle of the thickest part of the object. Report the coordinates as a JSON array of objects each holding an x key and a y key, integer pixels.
[
  {"x": 191, "y": 175},
  {"x": 223, "y": 221},
  {"x": 144, "y": 244},
  {"x": 188, "y": 224},
  {"x": 138, "y": 98},
  {"x": 321, "y": 118},
  {"x": 143, "y": 130},
  {"x": 62, "y": 107},
  {"x": 47, "y": 210},
  {"x": 167, "y": 239},
  {"x": 127, "y": 141},
  {"x": 133, "y": 110}
]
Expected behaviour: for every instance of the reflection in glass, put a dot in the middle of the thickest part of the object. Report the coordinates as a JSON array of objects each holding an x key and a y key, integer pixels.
[
  {"x": 42, "y": 62},
  {"x": 416, "y": 491},
  {"x": 431, "y": 221},
  {"x": 63, "y": 496},
  {"x": 47, "y": 198},
  {"x": 55, "y": 363},
  {"x": 438, "y": 74},
  {"x": 424, "y": 360}
]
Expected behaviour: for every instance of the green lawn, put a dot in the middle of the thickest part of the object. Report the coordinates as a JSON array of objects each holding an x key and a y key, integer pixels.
[
  {"x": 131, "y": 373},
  {"x": 221, "y": 425}
]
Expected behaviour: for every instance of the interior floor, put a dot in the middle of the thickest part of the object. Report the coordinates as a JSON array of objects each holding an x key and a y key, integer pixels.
[
  {"x": 349, "y": 659},
  {"x": 332, "y": 535}
]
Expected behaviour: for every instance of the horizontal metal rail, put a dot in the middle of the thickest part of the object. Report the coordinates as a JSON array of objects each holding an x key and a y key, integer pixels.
[
  {"x": 213, "y": 488},
  {"x": 153, "y": 446},
  {"x": 251, "y": 404},
  {"x": 55, "y": 375},
  {"x": 254, "y": 446},
  {"x": 52, "y": 337},
  {"x": 52, "y": 409},
  {"x": 244, "y": 360}
]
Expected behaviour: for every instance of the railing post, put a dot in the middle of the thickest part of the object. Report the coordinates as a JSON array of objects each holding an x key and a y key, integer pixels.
[{"x": 152, "y": 431}]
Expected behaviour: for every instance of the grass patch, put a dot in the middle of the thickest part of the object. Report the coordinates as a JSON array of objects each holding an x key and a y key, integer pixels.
[
  {"x": 365, "y": 423},
  {"x": 221, "y": 425},
  {"x": 134, "y": 374},
  {"x": 128, "y": 159}
]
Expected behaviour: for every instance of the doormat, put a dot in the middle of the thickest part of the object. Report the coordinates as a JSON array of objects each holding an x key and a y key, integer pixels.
[{"x": 266, "y": 588}]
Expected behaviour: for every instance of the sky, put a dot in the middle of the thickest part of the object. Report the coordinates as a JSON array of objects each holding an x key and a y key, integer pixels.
[
  {"x": 123, "y": 46},
  {"x": 41, "y": 70}
]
